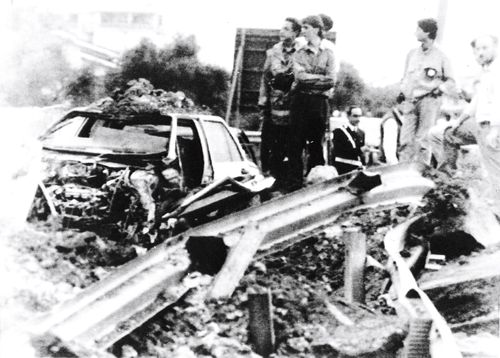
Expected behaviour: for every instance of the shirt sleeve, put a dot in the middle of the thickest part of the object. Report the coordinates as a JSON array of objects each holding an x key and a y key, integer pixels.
[
  {"x": 447, "y": 70},
  {"x": 448, "y": 78},
  {"x": 264, "y": 87},
  {"x": 390, "y": 141},
  {"x": 318, "y": 78},
  {"x": 404, "y": 86},
  {"x": 331, "y": 65}
]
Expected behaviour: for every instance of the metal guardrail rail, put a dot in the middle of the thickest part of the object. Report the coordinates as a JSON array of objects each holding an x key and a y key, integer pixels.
[
  {"x": 113, "y": 307},
  {"x": 411, "y": 301}
]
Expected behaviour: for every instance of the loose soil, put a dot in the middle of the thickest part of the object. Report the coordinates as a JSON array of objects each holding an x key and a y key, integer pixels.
[
  {"x": 42, "y": 267},
  {"x": 301, "y": 279}
]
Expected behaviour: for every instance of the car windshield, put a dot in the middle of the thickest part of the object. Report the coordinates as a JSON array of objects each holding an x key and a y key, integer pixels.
[{"x": 99, "y": 135}]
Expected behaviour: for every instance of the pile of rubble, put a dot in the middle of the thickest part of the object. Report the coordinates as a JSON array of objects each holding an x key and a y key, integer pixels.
[
  {"x": 142, "y": 98},
  {"x": 305, "y": 280}
]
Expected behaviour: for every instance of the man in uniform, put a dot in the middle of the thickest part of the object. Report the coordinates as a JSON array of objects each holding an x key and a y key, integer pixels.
[
  {"x": 427, "y": 76},
  {"x": 348, "y": 141},
  {"x": 274, "y": 99},
  {"x": 314, "y": 70}
]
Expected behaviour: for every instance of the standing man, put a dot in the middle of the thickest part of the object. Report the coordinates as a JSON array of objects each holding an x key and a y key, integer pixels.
[
  {"x": 274, "y": 99},
  {"x": 348, "y": 141},
  {"x": 328, "y": 25},
  {"x": 314, "y": 69},
  {"x": 390, "y": 132},
  {"x": 481, "y": 119},
  {"x": 427, "y": 76}
]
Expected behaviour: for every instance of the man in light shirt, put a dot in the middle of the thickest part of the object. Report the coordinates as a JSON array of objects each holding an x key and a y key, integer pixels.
[
  {"x": 327, "y": 26},
  {"x": 427, "y": 76},
  {"x": 481, "y": 119},
  {"x": 390, "y": 130}
]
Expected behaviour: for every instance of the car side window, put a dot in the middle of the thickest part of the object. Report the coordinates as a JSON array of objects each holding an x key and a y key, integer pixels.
[
  {"x": 191, "y": 155},
  {"x": 222, "y": 145},
  {"x": 68, "y": 129}
]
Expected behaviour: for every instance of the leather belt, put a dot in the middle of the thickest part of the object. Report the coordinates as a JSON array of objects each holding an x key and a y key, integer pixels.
[{"x": 349, "y": 161}]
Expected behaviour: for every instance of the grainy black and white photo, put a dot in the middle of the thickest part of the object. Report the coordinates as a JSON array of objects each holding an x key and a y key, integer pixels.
[{"x": 244, "y": 179}]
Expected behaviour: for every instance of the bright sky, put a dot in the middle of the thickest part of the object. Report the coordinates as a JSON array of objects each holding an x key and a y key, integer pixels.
[
  {"x": 373, "y": 35},
  {"x": 369, "y": 34}
]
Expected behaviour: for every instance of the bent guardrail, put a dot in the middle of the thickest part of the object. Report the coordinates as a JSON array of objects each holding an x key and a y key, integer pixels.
[{"x": 112, "y": 308}]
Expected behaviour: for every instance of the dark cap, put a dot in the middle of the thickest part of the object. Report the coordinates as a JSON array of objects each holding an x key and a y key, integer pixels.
[
  {"x": 315, "y": 21},
  {"x": 327, "y": 22}
]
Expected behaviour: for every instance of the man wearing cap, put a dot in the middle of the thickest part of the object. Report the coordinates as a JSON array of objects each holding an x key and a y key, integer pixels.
[
  {"x": 327, "y": 26},
  {"x": 274, "y": 99},
  {"x": 348, "y": 141},
  {"x": 314, "y": 70},
  {"x": 427, "y": 76},
  {"x": 480, "y": 122}
]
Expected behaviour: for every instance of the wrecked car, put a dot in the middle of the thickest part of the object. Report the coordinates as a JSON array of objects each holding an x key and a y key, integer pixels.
[{"x": 143, "y": 173}]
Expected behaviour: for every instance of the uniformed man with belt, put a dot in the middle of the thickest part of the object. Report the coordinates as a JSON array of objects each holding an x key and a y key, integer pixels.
[{"x": 348, "y": 141}]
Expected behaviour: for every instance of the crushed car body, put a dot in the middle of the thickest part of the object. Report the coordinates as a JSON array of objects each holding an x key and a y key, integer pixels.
[{"x": 143, "y": 173}]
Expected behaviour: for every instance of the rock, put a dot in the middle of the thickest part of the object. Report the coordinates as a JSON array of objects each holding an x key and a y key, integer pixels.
[
  {"x": 129, "y": 352},
  {"x": 259, "y": 267},
  {"x": 299, "y": 344},
  {"x": 48, "y": 263},
  {"x": 183, "y": 352},
  {"x": 480, "y": 220},
  {"x": 378, "y": 336},
  {"x": 100, "y": 272},
  {"x": 321, "y": 173}
]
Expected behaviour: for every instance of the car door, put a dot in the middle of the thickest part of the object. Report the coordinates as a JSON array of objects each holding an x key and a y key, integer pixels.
[{"x": 226, "y": 155}]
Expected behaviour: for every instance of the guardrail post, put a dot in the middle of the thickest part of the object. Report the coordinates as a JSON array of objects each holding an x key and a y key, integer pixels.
[
  {"x": 261, "y": 328},
  {"x": 354, "y": 264}
]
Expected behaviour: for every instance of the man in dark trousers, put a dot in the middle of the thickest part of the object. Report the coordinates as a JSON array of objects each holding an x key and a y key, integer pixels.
[
  {"x": 274, "y": 99},
  {"x": 314, "y": 70},
  {"x": 348, "y": 141}
]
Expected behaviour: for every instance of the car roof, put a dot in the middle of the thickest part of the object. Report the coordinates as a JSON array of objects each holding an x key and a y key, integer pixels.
[{"x": 98, "y": 113}]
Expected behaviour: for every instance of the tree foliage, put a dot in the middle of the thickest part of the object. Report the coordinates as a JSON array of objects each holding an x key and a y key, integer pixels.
[
  {"x": 379, "y": 100},
  {"x": 84, "y": 88},
  {"x": 352, "y": 90},
  {"x": 349, "y": 89}
]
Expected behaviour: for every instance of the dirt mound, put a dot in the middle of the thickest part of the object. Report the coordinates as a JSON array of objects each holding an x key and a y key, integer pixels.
[{"x": 444, "y": 212}]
